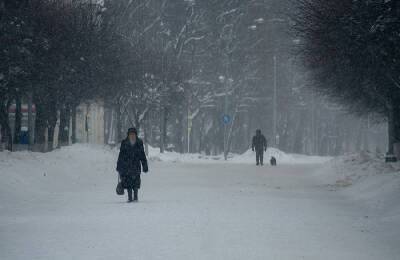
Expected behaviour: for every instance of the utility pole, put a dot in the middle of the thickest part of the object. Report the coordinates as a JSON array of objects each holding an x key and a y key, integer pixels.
[
  {"x": 226, "y": 118},
  {"x": 189, "y": 124},
  {"x": 162, "y": 114},
  {"x": 226, "y": 125},
  {"x": 274, "y": 105},
  {"x": 313, "y": 132}
]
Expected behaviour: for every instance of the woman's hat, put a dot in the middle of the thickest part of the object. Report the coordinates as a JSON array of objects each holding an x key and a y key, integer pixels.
[{"x": 132, "y": 130}]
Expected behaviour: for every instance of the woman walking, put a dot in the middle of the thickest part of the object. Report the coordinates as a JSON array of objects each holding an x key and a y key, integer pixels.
[{"x": 131, "y": 161}]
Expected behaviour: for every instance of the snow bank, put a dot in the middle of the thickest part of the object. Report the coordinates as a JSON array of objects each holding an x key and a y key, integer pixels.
[
  {"x": 364, "y": 176},
  {"x": 367, "y": 180},
  {"x": 356, "y": 169},
  {"x": 103, "y": 157},
  {"x": 174, "y": 157},
  {"x": 281, "y": 157},
  {"x": 31, "y": 170},
  {"x": 246, "y": 158}
]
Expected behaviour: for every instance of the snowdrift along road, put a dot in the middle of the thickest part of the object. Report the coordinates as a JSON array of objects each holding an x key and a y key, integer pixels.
[{"x": 246, "y": 158}]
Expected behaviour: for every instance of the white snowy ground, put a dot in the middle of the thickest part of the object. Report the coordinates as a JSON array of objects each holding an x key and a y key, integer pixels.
[{"x": 62, "y": 205}]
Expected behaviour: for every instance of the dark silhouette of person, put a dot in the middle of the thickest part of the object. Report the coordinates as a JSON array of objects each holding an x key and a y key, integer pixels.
[
  {"x": 131, "y": 160},
  {"x": 259, "y": 145}
]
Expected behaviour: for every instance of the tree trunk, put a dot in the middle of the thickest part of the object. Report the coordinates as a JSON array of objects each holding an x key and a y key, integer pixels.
[
  {"x": 69, "y": 126},
  {"x": 46, "y": 139},
  {"x": 145, "y": 137},
  {"x": 179, "y": 130},
  {"x": 64, "y": 126},
  {"x": 43, "y": 121},
  {"x": 50, "y": 135},
  {"x": 394, "y": 126},
  {"x": 31, "y": 125},
  {"x": 163, "y": 129},
  {"x": 119, "y": 123},
  {"x": 56, "y": 132},
  {"x": 6, "y": 130},
  {"x": 18, "y": 119},
  {"x": 229, "y": 136},
  {"x": 111, "y": 129},
  {"x": 107, "y": 120},
  {"x": 73, "y": 124},
  {"x": 299, "y": 133},
  {"x": 52, "y": 117},
  {"x": 359, "y": 136},
  {"x": 40, "y": 124}
]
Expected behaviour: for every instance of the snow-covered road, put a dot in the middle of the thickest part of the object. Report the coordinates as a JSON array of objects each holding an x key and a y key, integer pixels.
[{"x": 68, "y": 210}]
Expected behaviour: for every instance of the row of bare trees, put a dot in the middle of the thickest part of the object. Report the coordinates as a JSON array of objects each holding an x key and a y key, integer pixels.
[
  {"x": 352, "y": 49},
  {"x": 52, "y": 57},
  {"x": 171, "y": 68}
]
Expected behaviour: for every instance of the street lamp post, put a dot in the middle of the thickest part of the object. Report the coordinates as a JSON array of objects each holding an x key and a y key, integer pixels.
[
  {"x": 189, "y": 124},
  {"x": 225, "y": 125},
  {"x": 260, "y": 21},
  {"x": 274, "y": 105}
]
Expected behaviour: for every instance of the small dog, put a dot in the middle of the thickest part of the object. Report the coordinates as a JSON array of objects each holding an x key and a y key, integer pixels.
[{"x": 273, "y": 161}]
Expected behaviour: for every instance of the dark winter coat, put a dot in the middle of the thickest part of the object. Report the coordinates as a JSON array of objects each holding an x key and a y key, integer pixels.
[
  {"x": 259, "y": 142},
  {"x": 131, "y": 158}
]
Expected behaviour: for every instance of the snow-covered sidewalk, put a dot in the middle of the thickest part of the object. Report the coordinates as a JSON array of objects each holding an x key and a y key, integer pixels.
[{"x": 62, "y": 205}]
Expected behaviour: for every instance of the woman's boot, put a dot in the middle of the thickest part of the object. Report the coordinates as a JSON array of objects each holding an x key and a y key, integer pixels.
[
  {"x": 129, "y": 195},
  {"x": 135, "y": 195}
]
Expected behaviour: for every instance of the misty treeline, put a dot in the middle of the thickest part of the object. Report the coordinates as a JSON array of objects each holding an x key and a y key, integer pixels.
[
  {"x": 352, "y": 49},
  {"x": 173, "y": 69}
]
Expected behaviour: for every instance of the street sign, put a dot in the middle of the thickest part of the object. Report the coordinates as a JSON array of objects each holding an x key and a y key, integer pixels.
[{"x": 226, "y": 119}]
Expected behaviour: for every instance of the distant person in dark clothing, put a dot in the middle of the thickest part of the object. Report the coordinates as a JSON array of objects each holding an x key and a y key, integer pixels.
[
  {"x": 259, "y": 145},
  {"x": 131, "y": 160}
]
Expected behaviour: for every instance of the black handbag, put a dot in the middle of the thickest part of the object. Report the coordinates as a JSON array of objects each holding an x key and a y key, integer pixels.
[{"x": 120, "y": 187}]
